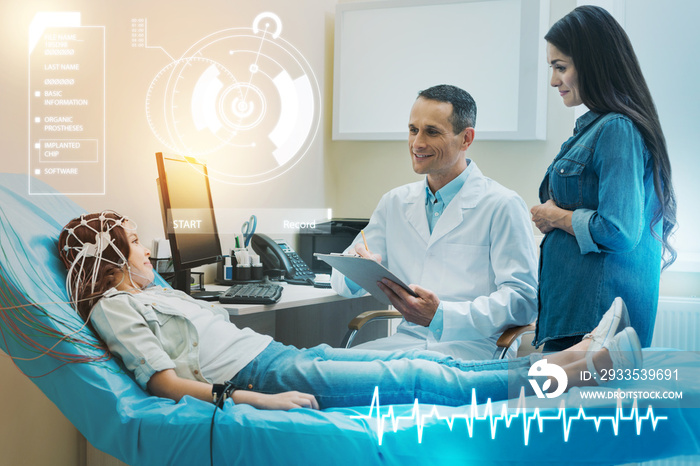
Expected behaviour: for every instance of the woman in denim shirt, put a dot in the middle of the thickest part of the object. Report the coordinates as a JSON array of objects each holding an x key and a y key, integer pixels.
[{"x": 608, "y": 206}]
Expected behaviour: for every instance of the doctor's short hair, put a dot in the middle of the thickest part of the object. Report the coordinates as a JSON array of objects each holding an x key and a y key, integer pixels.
[{"x": 463, "y": 105}]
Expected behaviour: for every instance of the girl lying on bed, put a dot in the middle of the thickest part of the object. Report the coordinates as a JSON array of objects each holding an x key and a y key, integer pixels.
[{"x": 177, "y": 346}]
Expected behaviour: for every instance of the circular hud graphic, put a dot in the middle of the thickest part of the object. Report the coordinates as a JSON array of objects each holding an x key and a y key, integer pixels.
[{"x": 244, "y": 100}]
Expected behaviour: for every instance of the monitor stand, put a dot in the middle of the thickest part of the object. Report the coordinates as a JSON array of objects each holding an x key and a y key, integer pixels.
[{"x": 182, "y": 281}]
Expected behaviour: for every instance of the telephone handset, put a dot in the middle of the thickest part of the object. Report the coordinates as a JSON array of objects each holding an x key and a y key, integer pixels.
[{"x": 277, "y": 256}]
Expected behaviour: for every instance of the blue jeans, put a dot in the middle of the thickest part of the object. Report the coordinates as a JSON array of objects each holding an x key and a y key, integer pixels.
[
  {"x": 560, "y": 344},
  {"x": 348, "y": 377}
]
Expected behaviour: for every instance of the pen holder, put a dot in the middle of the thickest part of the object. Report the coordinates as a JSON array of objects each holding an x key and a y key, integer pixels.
[
  {"x": 256, "y": 272},
  {"x": 242, "y": 272},
  {"x": 230, "y": 271}
]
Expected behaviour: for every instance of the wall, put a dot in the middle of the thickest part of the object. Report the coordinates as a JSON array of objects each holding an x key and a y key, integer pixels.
[
  {"x": 366, "y": 170},
  {"x": 130, "y": 144},
  {"x": 674, "y": 40},
  {"x": 32, "y": 430}
]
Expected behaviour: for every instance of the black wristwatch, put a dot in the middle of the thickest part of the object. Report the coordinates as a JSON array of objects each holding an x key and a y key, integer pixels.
[{"x": 220, "y": 391}]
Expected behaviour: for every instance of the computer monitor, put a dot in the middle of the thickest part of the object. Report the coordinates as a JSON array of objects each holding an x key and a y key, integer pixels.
[{"x": 188, "y": 215}]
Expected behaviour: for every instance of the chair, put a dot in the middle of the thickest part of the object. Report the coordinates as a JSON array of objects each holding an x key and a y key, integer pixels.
[{"x": 505, "y": 341}]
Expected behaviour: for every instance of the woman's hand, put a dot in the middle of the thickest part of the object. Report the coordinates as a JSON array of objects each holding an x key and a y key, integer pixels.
[
  {"x": 280, "y": 401},
  {"x": 549, "y": 216}
]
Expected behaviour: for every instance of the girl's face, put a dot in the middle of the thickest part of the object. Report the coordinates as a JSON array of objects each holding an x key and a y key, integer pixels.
[
  {"x": 140, "y": 271},
  {"x": 564, "y": 76}
]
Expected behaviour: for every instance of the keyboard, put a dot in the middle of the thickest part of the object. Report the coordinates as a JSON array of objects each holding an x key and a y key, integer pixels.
[{"x": 251, "y": 293}]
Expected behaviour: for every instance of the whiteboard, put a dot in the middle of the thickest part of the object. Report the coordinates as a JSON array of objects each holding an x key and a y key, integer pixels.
[{"x": 387, "y": 51}]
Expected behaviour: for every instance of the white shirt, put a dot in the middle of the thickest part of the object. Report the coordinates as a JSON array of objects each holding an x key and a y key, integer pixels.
[
  {"x": 479, "y": 260},
  {"x": 154, "y": 330}
]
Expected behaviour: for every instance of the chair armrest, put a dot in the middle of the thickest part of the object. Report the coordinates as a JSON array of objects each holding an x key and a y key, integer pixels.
[
  {"x": 509, "y": 337},
  {"x": 367, "y": 316},
  {"x": 358, "y": 322}
]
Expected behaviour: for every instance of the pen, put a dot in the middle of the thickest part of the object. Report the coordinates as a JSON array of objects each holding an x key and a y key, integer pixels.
[{"x": 362, "y": 232}]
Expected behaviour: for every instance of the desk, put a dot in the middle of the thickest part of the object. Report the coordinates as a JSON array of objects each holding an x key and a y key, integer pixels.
[{"x": 306, "y": 316}]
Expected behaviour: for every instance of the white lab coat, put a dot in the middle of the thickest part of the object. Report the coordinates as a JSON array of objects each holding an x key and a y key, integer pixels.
[{"x": 479, "y": 260}]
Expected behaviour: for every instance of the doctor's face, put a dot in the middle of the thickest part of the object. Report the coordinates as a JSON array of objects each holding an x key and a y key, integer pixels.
[{"x": 436, "y": 151}]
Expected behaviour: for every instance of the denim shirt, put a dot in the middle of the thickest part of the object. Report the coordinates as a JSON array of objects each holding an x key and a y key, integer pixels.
[{"x": 603, "y": 174}]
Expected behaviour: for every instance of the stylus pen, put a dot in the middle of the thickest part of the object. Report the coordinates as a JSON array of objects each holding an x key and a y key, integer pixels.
[{"x": 362, "y": 232}]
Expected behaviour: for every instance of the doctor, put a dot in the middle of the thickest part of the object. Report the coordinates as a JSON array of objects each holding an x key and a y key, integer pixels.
[{"x": 463, "y": 237}]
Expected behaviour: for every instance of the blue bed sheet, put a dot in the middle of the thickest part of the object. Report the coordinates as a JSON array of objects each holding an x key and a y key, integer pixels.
[{"x": 118, "y": 417}]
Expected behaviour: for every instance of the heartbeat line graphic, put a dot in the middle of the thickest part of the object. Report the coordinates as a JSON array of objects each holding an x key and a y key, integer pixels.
[{"x": 472, "y": 415}]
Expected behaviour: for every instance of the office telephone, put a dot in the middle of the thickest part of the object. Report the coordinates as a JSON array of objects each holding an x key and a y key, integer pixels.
[{"x": 279, "y": 259}]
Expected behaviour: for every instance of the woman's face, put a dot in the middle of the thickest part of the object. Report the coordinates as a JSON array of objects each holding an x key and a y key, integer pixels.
[
  {"x": 564, "y": 76},
  {"x": 140, "y": 272}
]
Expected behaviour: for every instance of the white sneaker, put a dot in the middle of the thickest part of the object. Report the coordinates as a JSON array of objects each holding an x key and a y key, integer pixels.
[
  {"x": 625, "y": 352},
  {"x": 614, "y": 319}
]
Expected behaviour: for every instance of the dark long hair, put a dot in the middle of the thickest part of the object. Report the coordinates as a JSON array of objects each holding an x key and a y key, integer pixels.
[
  {"x": 109, "y": 275},
  {"x": 610, "y": 80}
]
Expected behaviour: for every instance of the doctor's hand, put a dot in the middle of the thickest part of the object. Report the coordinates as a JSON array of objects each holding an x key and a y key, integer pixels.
[
  {"x": 549, "y": 216},
  {"x": 415, "y": 309},
  {"x": 361, "y": 251}
]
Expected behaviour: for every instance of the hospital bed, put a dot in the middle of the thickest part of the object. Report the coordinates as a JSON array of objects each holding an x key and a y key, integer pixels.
[{"x": 48, "y": 342}]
